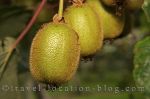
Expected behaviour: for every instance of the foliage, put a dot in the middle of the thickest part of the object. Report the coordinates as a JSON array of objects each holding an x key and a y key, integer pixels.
[{"x": 142, "y": 64}]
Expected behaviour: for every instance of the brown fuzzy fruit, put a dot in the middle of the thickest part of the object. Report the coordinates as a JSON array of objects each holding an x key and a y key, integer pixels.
[
  {"x": 112, "y": 25},
  {"x": 84, "y": 21},
  {"x": 54, "y": 54}
]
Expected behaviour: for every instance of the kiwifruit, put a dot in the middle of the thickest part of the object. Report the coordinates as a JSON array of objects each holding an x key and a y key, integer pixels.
[
  {"x": 84, "y": 21},
  {"x": 133, "y": 4},
  {"x": 112, "y": 25},
  {"x": 109, "y": 2},
  {"x": 54, "y": 54},
  {"x": 128, "y": 25}
]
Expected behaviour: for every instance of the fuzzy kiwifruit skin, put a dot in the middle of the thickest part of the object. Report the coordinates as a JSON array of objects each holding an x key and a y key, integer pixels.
[
  {"x": 54, "y": 54},
  {"x": 112, "y": 25},
  {"x": 85, "y": 22},
  {"x": 133, "y": 4}
]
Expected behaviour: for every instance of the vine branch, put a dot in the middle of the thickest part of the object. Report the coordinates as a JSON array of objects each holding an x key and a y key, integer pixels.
[
  {"x": 22, "y": 34},
  {"x": 27, "y": 28}
]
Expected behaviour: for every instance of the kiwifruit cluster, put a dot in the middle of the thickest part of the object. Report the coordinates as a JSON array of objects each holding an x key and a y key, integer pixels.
[{"x": 58, "y": 45}]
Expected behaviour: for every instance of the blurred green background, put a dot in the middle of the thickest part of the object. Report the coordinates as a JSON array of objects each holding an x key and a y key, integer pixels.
[{"x": 112, "y": 66}]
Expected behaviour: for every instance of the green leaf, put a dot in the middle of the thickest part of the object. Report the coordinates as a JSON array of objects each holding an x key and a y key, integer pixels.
[
  {"x": 9, "y": 78},
  {"x": 142, "y": 64},
  {"x": 13, "y": 20},
  {"x": 146, "y": 7},
  {"x": 15, "y": 78}
]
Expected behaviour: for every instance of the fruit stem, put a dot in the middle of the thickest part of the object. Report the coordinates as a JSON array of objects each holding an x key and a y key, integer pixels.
[
  {"x": 23, "y": 33},
  {"x": 77, "y": 2},
  {"x": 58, "y": 17},
  {"x": 61, "y": 6}
]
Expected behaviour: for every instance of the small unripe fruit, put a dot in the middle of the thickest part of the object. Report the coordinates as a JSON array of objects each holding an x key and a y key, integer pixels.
[
  {"x": 54, "y": 54},
  {"x": 112, "y": 25},
  {"x": 85, "y": 22},
  {"x": 109, "y": 2},
  {"x": 133, "y": 4}
]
